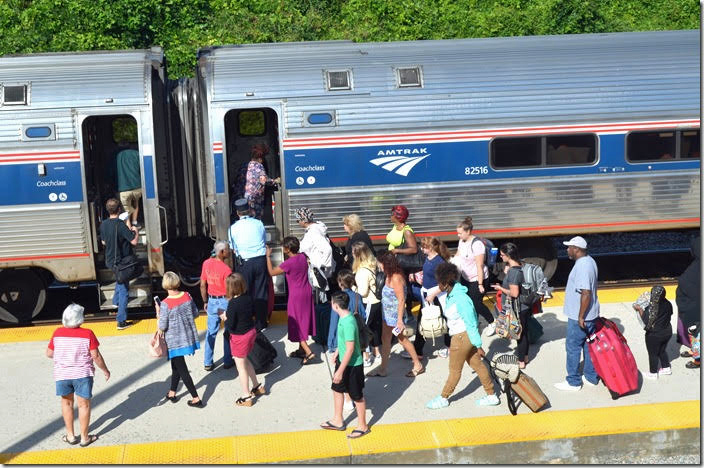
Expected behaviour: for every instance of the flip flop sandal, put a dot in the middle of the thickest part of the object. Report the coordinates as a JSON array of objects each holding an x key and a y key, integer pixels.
[
  {"x": 74, "y": 441},
  {"x": 692, "y": 365},
  {"x": 331, "y": 427},
  {"x": 357, "y": 433},
  {"x": 91, "y": 439},
  {"x": 308, "y": 359},
  {"x": 415, "y": 373}
]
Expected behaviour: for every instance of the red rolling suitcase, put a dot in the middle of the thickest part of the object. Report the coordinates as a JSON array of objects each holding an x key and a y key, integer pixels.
[{"x": 612, "y": 358}]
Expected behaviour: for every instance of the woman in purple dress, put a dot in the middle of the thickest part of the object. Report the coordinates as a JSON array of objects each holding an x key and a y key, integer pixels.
[{"x": 301, "y": 315}]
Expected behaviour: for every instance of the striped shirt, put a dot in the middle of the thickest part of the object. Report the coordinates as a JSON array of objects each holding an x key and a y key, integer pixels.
[{"x": 72, "y": 346}]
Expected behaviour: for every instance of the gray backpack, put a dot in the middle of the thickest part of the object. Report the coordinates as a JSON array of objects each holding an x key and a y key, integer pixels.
[{"x": 533, "y": 277}]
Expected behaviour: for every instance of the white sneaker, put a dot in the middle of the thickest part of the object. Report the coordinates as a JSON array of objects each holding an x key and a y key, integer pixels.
[
  {"x": 565, "y": 386},
  {"x": 650, "y": 376},
  {"x": 443, "y": 353},
  {"x": 588, "y": 383},
  {"x": 665, "y": 371},
  {"x": 437, "y": 403},
  {"x": 487, "y": 400},
  {"x": 349, "y": 405},
  {"x": 490, "y": 329},
  {"x": 369, "y": 361}
]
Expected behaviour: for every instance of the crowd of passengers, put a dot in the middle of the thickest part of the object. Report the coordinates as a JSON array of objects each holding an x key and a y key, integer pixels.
[{"x": 236, "y": 288}]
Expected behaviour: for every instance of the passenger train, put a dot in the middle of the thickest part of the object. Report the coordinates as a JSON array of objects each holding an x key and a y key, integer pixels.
[{"x": 534, "y": 137}]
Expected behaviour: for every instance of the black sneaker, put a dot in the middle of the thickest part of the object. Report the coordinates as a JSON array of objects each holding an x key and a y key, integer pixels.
[
  {"x": 123, "y": 325},
  {"x": 209, "y": 368},
  {"x": 228, "y": 366}
]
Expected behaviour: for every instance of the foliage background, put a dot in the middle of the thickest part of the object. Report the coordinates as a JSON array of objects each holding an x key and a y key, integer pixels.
[{"x": 182, "y": 26}]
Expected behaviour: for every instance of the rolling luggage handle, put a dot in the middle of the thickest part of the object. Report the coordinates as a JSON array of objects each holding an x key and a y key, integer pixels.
[{"x": 505, "y": 388}]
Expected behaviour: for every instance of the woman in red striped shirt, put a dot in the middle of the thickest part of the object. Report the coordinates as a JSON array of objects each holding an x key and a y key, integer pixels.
[{"x": 75, "y": 351}]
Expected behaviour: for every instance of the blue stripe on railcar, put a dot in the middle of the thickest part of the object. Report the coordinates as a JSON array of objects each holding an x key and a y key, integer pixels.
[
  {"x": 20, "y": 184},
  {"x": 436, "y": 162},
  {"x": 149, "y": 177},
  {"x": 219, "y": 177}
]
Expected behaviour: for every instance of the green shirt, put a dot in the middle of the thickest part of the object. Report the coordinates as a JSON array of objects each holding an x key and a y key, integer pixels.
[
  {"x": 128, "y": 170},
  {"x": 347, "y": 331}
]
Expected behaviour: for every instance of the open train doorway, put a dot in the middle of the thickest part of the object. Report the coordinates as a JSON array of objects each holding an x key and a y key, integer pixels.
[
  {"x": 249, "y": 132},
  {"x": 104, "y": 137}
]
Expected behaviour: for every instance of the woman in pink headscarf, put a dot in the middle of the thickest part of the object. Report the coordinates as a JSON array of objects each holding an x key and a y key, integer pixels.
[{"x": 257, "y": 179}]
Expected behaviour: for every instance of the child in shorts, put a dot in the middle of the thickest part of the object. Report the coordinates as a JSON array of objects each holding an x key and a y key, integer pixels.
[{"x": 349, "y": 369}]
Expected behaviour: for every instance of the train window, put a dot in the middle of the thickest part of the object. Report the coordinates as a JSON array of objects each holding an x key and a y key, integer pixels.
[
  {"x": 320, "y": 118},
  {"x": 650, "y": 146},
  {"x": 124, "y": 129},
  {"x": 43, "y": 132},
  {"x": 338, "y": 80},
  {"x": 409, "y": 78},
  {"x": 563, "y": 150},
  {"x": 689, "y": 144},
  {"x": 251, "y": 123},
  {"x": 14, "y": 95},
  {"x": 515, "y": 152}
]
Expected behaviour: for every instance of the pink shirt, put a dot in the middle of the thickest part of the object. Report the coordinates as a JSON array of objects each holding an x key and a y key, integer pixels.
[
  {"x": 72, "y": 346},
  {"x": 215, "y": 271},
  {"x": 466, "y": 251}
]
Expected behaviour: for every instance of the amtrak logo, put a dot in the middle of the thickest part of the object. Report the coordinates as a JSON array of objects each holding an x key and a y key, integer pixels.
[{"x": 396, "y": 161}]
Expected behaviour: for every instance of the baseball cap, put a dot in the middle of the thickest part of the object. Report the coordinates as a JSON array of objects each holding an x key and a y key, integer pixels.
[{"x": 577, "y": 241}]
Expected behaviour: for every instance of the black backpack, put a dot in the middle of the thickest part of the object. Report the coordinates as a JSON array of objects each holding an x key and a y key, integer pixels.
[{"x": 379, "y": 282}]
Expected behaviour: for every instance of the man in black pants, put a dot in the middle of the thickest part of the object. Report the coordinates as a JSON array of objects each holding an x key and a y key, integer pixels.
[{"x": 248, "y": 241}]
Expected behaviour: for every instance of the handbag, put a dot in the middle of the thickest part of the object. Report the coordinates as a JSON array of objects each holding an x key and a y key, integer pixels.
[
  {"x": 128, "y": 267},
  {"x": 507, "y": 323},
  {"x": 157, "y": 346},
  {"x": 316, "y": 277},
  {"x": 410, "y": 262}
]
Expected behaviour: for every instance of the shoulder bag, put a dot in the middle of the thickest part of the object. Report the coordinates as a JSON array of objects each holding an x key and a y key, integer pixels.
[
  {"x": 410, "y": 262},
  {"x": 157, "y": 346}
]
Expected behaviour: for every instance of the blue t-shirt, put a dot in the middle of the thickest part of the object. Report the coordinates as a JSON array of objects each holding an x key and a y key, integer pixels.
[
  {"x": 583, "y": 276},
  {"x": 429, "y": 267}
]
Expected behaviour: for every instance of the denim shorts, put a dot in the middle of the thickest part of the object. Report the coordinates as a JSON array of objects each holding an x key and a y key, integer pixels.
[{"x": 82, "y": 387}]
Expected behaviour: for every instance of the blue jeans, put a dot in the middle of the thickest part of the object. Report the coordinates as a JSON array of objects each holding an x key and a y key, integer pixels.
[
  {"x": 575, "y": 344},
  {"x": 211, "y": 333},
  {"x": 332, "y": 330},
  {"x": 120, "y": 298}
]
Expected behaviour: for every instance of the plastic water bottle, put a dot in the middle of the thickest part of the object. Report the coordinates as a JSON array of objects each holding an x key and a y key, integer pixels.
[{"x": 492, "y": 255}]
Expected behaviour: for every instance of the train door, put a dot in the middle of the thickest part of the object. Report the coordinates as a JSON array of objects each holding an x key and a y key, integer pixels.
[
  {"x": 247, "y": 131},
  {"x": 103, "y": 137}
]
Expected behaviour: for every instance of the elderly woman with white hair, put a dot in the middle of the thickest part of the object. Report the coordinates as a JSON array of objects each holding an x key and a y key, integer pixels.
[{"x": 75, "y": 351}]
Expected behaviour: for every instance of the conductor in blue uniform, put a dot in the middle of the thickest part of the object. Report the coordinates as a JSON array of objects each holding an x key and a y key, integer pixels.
[{"x": 248, "y": 241}]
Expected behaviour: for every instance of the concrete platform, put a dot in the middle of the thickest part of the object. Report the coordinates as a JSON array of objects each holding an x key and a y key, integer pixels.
[{"x": 136, "y": 425}]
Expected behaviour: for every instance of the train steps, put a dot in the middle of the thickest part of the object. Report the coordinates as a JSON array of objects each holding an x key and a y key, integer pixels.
[{"x": 140, "y": 294}]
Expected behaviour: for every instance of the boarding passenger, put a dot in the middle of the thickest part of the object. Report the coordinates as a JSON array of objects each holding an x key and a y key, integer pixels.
[
  {"x": 658, "y": 331},
  {"x": 510, "y": 296},
  {"x": 212, "y": 290},
  {"x": 248, "y": 243},
  {"x": 365, "y": 268},
  {"x": 355, "y": 229},
  {"x": 349, "y": 370},
  {"x": 239, "y": 323},
  {"x": 75, "y": 352},
  {"x": 118, "y": 240},
  {"x": 175, "y": 319},
  {"x": 582, "y": 310},
  {"x": 436, "y": 254},
  {"x": 316, "y": 246},
  {"x": 471, "y": 259},
  {"x": 402, "y": 241},
  {"x": 301, "y": 315},
  {"x": 466, "y": 341},
  {"x": 129, "y": 182},
  {"x": 393, "y": 305},
  {"x": 257, "y": 179},
  {"x": 688, "y": 297}
]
